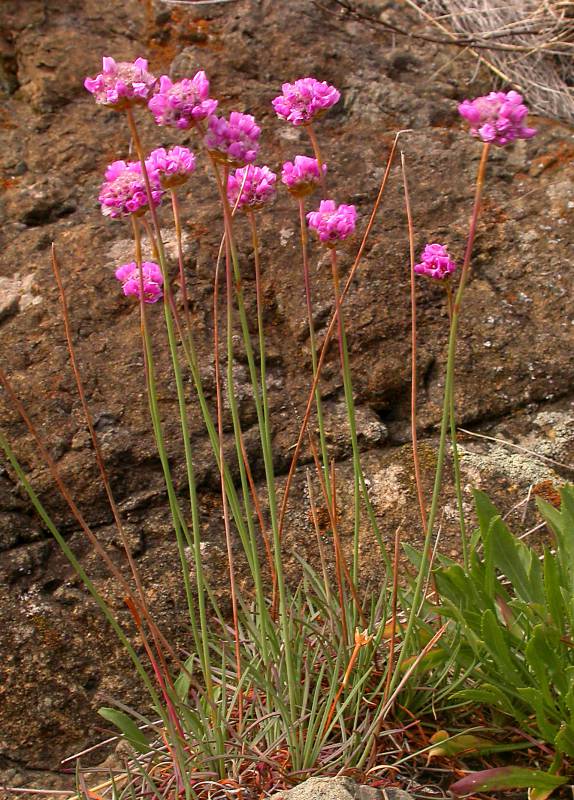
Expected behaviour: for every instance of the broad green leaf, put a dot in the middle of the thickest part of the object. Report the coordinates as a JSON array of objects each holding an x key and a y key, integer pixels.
[
  {"x": 564, "y": 741},
  {"x": 489, "y": 695},
  {"x": 552, "y": 590},
  {"x": 501, "y": 778},
  {"x": 183, "y": 681},
  {"x": 495, "y": 639},
  {"x": 515, "y": 560},
  {"x": 533, "y": 697},
  {"x": 544, "y": 654},
  {"x": 127, "y": 726}
]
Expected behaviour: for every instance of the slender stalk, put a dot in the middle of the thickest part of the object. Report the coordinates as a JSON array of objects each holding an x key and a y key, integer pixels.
[
  {"x": 417, "y": 595},
  {"x": 313, "y": 341},
  {"x": 226, "y": 522},
  {"x": 350, "y": 403},
  {"x": 317, "y": 152},
  {"x": 292, "y": 681},
  {"x": 327, "y": 339},
  {"x": 192, "y": 487},
  {"x": 159, "y": 639},
  {"x": 414, "y": 437},
  {"x": 262, "y": 370},
  {"x": 455, "y": 453},
  {"x": 108, "y": 613}
]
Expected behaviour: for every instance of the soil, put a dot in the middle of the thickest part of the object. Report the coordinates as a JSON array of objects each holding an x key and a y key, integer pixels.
[{"x": 515, "y": 373}]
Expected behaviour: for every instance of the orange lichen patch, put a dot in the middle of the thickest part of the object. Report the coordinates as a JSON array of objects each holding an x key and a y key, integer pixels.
[
  {"x": 547, "y": 491},
  {"x": 6, "y": 119},
  {"x": 493, "y": 211},
  {"x": 8, "y": 183},
  {"x": 554, "y": 159}
]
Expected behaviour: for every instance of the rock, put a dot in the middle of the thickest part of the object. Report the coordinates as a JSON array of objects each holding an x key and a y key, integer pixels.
[
  {"x": 339, "y": 789},
  {"x": 515, "y": 356},
  {"x": 330, "y": 789}
]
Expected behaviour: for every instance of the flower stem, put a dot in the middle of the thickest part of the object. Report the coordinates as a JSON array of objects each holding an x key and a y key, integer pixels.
[
  {"x": 313, "y": 344},
  {"x": 350, "y": 403},
  {"x": 421, "y": 577},
  {"x": 414, "y": 437}
]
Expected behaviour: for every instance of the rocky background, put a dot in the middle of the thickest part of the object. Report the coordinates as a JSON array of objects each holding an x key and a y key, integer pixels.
[{"x": 516, "y": 356}]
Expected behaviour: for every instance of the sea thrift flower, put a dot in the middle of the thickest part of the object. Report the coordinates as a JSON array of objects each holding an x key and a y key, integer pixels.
[
  {"x": 124, "y": 191},
  {"x": 181, "y": 104},
  {"x": 435, "y": 262},
  {"x": 234, "y": 141},
  {"x": 258, "y": 187},
  {"x": 302, "y": 176},
  {"x": 122, "y": 83},
  {"x": 172, "y": 167},
  {"x": 305, "y": 99},
  {"x": 497, "y": 118},
  {"x": 332, "y": 223},
  {"x": 152, "y": 278}
]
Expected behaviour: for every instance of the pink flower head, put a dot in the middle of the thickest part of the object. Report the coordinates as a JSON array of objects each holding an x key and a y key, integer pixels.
[
  {"x": 152, "y": 279},
  {"x": 172, "y": 167},
  {"x": 181, "y": 104},
  {"x": 332, "y": 223},
  {"x": 124, "y": 191},
  {"x": 122, "y": 83},
  {"x": 302, "y": 176},
  {"x": 305, "y": 99},
  {"x": 234, "y": 141},
  {"x": 435, "y": 262},
  {"x": 497, "y": 118},
  {"x": 256, "y": 184}
]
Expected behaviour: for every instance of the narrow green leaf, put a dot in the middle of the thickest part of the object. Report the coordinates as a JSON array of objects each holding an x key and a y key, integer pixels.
[{"x": 127, "y": 726}]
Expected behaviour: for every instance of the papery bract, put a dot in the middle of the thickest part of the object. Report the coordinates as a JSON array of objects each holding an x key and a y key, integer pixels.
[
  {"x": 302, "y": 176},
  {"x": 302, "y": 101},
  {"x": 332, "y": 223},
  {"x": 497, "y": 118},
  {"x": 122, "y": 83},
  {"x": 435, "y": 262},
  {"x": 183, "y": 103},
  {"x": 124, "y": 191},
  {"x": 258, "y": 187},
  {"x": 151, "y": 277},
  {"x": 234, "y": 141},
  {"x": 173, "y": 167}
]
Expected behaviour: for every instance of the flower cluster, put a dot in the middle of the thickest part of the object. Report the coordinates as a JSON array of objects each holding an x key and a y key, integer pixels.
[
  {"x": 303, "y": 100},
  {"x": 435, "y": 262},
  {"x": 151, "y": 278},
  {"x": 302, "y": 176},
  {"x": 122, "y": 83},
  {"x": 181, "y": 104},
  {"x": 234, "y": 141},
  {"x": 251, "y": 187},
  {"x": 332, "y": 223},
  {"x": 497, "y": 118},
  {"x": 172, "y": 167},
  {"x": 124, "y": 191}
]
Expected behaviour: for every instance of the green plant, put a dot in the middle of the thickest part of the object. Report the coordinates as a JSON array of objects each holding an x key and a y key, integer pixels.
[{"x": 512, "y": 630}]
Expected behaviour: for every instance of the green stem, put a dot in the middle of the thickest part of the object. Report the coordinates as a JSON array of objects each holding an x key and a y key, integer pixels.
[
  {"x": 414, "y": 437},
  {"x": 192, "y": 486},
  {"x": 180, "y": 527},
  {"x": 422, "y": 576},
  {"x": 292, "y": 679},
  {"x": 455, "y": 455},
  {"x": 107, "y": 612},
  {"x": 313, "y": 346},
  {"x": 350, "y": 404}
]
